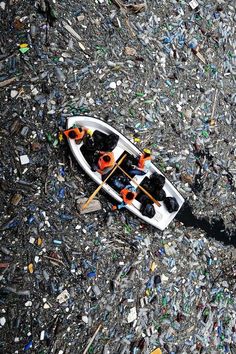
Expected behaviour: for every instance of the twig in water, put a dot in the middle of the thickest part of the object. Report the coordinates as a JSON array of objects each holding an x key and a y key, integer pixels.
[{"x": 92, "y": 339}]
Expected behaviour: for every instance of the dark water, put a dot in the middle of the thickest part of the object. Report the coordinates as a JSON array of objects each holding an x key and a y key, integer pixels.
[{"x": 215, "y": 230}]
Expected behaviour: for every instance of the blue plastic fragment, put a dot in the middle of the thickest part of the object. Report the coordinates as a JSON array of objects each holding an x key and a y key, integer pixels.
[
  {"x": 62, "y": 171},
  {"x": 61, "y": 193},
  {"x": 57, "y": 242},
  {"x": 31, "y": 219},
  {"x": 10, "y": 224},
  {"x": 161, "y": 251},
  {"x": 91, "y": 274},
  {"x": 66, "y": 217},
  {"x": 167, "y": 40},
  {"x": 193, "y": 44},
  {"x": 28, "y": 345}
]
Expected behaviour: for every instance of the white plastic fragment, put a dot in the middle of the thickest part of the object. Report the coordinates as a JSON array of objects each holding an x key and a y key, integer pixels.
[
  {"x": 42, "y": 335},
  {"x": 28, "y": 303},
  {"x": 132, "y": 315},
  {"x": 164, "y": 278},
  {"x": 2, "y": 321},
  {"x": 34, "y": 91},
  {"x": 14, "y": 93},
  {"x": 63, "y": 297},
  {"x": 112, "y": 85},
  {"x": 46, "y": 306},
  {"x": 193, "y": 4},
  {"x": 24, "y": 159},
  {"x": 2, "y": 5},
  {"x": 32, "y": 240},
  {"x": 36, "y": 259},
  {"x": 85, "y": 319},
  {"x": 80, "y": 18}
]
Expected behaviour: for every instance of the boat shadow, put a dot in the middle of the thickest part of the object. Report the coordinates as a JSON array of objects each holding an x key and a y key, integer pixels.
[{"x": 216, "y": 229}]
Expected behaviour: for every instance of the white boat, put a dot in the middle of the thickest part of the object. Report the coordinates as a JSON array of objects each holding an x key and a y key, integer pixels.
[{"x": 162, "y": 217}]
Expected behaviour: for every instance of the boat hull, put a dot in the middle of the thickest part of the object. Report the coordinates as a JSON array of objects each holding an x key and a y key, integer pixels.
[{"x": 162, "y": 217}]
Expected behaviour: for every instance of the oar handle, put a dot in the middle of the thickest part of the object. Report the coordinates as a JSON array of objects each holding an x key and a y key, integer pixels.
[
  {"x": 102, "y": 184},
  {"x": 140, "y": 187}
]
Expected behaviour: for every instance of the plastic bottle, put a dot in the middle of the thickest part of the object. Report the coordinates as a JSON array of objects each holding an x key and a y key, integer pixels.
[{"x": 59, "y": 74}]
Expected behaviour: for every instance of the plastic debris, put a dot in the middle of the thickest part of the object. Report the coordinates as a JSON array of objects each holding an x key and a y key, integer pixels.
[
  {"x": 63, "y": 297},
  {"x": 132, "y": 315},
  {"x": 93, "y": 280},
  {"x": 193, "y": 4},
  {"x": 24, "y": 159}
]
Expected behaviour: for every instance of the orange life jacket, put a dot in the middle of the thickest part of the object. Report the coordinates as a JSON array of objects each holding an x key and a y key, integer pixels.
[
  {"x": 105, "y": 164},
  {"x": 124, "y": 193},
  {"x": 142, "y": 160},
  {"x": 78, "y": 131}
]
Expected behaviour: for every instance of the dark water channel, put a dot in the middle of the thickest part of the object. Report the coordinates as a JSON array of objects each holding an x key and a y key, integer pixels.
[{"x": 215, "y": 230}]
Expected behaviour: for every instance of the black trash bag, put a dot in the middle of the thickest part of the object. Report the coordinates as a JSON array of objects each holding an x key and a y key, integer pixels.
[
  {"x": 146, "y": 184},
  {"x": 89, "y": 152},
  {"x": 89, "y": 144},
  {"x": 99, "y": 139},
  {"x": 159, "y": 195},
  {"x": 111, "y": 142},
  {"x": 157, "y": 180},
  {"x": 171, "y": 204},
  {"x": 147, "y": 210},
  {"x": 144, "y": 199}
]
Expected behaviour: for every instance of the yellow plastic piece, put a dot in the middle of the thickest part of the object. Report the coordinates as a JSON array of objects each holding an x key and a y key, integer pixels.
[
  {"x": 157, "y": 351},
  {"x": 212, "y": 122},
  {"x": 60, "y": 137},
  {"x": 153, "y": 266},
  {"x": 31, "y": 268},
  {"x": 39, "y": 241},
  {"x": 137, "y": 140},
  {"x": 24, "y": 45}
]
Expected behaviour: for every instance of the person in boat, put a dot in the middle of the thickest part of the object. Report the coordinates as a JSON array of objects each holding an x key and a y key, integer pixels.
[
  {"x": 105, "y": 163},
  {"x": 128, "y": 195},
  {"x": 144, "y": 164},
  {"x": 77, "y": 133}
]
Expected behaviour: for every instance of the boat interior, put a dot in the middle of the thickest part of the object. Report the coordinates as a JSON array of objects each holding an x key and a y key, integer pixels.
[{"x": 91, "y": 157}]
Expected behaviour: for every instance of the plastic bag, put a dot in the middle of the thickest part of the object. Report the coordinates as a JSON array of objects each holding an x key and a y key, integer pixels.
[
  {"x": 147, "y": 210},
  {"x": 99, "y": 139},
  {"x": 157, "y": 180},
  {"x": 171, "y": 204},
  {"x": 159, "y": 195},
  {"x": 111, "y": 142},
  {"x": 144, "y": 199}
]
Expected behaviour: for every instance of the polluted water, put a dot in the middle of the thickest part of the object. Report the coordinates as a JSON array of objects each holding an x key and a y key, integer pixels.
[{"x": 103, "y": 281}]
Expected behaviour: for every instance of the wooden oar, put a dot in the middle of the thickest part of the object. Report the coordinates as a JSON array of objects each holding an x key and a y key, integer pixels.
[
  {"x": 140, "y": 187},
  {"x": 102, "y": 184}
]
